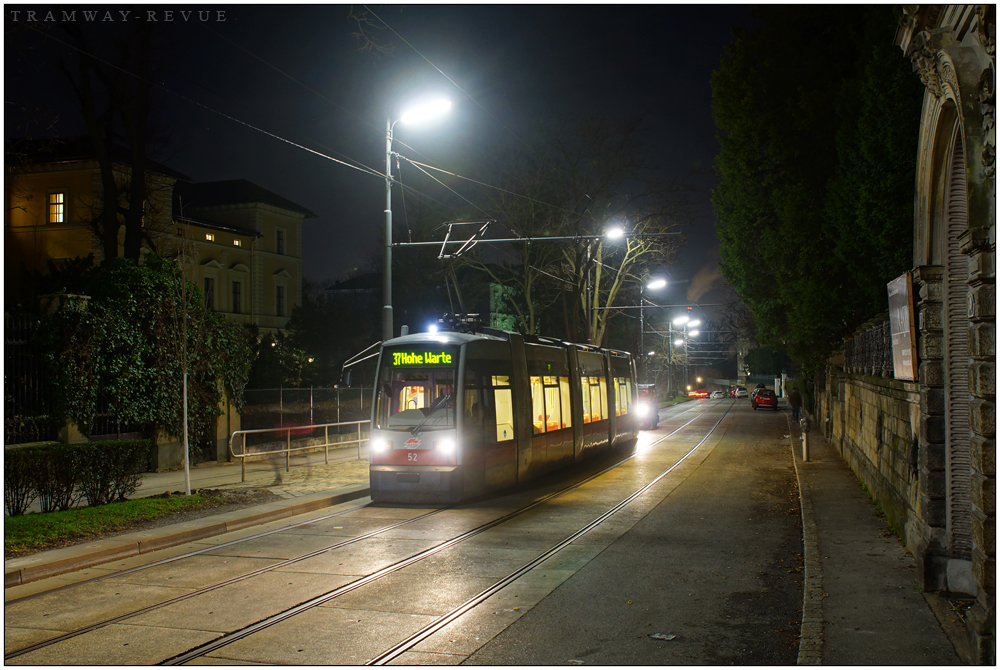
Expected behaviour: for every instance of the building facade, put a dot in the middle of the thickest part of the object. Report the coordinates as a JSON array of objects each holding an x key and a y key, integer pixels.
[
  {"x": 241, "y": 244},
  {"x": 953, "y": 51},
  {"x": 243, "y": 247}
]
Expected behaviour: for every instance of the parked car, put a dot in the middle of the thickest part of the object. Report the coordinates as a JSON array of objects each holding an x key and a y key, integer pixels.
[
  {"x": 718, "y": 394},
  {"x": 764, "y": 398},
  {"x": 740, "y": 392},
  {"x": 647, "y": 407}
]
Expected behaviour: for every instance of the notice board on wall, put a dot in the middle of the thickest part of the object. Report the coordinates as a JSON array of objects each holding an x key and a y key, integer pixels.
[{"x": 902, "y": 322}]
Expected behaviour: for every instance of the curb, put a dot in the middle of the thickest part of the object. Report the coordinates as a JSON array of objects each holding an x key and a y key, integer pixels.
[
  {"x": 811, "y": 633},
  {"x": 29, "y": 569}
]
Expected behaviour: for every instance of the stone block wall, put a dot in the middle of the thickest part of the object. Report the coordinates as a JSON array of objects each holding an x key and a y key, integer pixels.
[{"x": 875, "y": 423}]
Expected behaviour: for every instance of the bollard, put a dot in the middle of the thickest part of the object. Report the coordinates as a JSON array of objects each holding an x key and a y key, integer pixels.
[
  {"x": 326, "y": 445},
  {"x": 804, "y": 427},
  {"x": 359, "y": 441},
  {"x": 288, "y": 450}
]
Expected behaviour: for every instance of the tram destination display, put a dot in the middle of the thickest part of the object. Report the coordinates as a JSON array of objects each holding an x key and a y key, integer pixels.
[{"x": 422, "y": 358}]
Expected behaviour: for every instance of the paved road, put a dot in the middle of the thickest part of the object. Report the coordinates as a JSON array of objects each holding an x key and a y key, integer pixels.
[{"x": 717, "y": 564}]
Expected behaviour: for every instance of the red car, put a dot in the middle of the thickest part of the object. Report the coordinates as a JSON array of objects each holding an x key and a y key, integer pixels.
[{"x": 764, "y": 398}]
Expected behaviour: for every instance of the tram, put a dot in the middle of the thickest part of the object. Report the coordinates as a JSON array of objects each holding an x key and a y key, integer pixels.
[{"x": 459, "y": 414}]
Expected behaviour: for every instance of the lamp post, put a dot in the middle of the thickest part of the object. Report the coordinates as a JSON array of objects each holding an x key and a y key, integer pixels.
[
  {"x": 685, "y": 322},
  {"x": 414, "y": 115},
  {"x": 653, "y": 285}
]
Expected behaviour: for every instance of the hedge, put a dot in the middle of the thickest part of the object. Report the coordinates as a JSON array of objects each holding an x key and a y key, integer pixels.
[{"x": 59, "y": 475}]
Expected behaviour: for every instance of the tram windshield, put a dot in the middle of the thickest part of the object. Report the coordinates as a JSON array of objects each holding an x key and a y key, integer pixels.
[{"x": 417, "y": 389}]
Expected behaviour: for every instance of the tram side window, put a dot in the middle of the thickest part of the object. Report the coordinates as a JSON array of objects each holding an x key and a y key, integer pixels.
[
  {"x": 553, "y": 404},
  {"x": 567, "y": 415},
  {"x": 550, "y": 403},
  {"x": 622, "y": 395},
  {"x": 504, "y": 408},
  {"x": 585, "y": 397},
  {"x": 603, "y": 385}
]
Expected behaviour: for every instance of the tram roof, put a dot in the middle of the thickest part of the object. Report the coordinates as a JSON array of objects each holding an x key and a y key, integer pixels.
[{"x": 442, "y": 337}]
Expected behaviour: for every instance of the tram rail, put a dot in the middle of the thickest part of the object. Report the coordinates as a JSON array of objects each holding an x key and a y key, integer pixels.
[{"x": 270, "y": 621}]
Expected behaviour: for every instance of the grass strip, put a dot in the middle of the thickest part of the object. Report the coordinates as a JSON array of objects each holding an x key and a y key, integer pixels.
[{"x": 32, "y": 532}]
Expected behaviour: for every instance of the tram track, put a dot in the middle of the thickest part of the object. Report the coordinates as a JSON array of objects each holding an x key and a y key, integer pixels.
[
  {"x": 358, "y": 583},
  {"x": 408, "y": 643}
]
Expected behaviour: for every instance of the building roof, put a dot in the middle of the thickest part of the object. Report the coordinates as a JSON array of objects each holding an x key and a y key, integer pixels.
[
  {"x": 249, "y": 232},
  {"x": 235, "y": 192},
  {"x": 70, "y": 149}
]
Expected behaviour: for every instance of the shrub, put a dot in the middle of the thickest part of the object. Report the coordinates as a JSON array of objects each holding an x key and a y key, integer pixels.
[
  {"x": 19, "y": 479},
  {"x": 111, "y": 471},
  {"x": 56, "y": 476},
  {"x": 60, "y": 475}
]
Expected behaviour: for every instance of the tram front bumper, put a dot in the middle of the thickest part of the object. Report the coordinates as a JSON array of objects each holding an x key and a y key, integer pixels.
[{"x": 409, "y": 484}]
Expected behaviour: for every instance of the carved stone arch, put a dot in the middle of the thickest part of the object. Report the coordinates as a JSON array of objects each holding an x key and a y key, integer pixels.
[
  {"x": 940, "y": 120},
  {"x": 956, "y": 341}
]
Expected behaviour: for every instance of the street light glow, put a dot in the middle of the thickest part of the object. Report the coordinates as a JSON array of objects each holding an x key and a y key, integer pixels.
[
  {"x": 681, "y": 320},
  {"x": 614, "y": 233},
  {"x": 426, "y": 111},
  {"x": 656, "y": 283},
  {"x": 696, "y": 322},
  {"x": 693, "y": 333},
  {"x": 678, "y": 342},
  {"x": 652, "y": 353}
]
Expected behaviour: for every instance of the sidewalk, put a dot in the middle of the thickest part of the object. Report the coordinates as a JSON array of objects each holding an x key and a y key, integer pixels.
[{"x": 862, "y": 603}]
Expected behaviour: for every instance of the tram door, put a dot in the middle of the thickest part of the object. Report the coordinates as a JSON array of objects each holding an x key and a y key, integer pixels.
[{"x": 490, "y": 437}]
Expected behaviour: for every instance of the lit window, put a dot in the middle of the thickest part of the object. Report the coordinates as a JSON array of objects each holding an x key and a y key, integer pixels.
[
  {"x": 210, "y": 237},
  {"x": 57, "y": 207},
  {"x": 237, "y": 243}
]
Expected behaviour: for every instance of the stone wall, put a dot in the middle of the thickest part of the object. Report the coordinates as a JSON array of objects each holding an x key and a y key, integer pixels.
[{"x": 875, "y": 423}]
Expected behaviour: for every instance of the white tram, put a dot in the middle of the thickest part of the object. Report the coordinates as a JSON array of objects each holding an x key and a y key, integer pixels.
[{"x": 456, "y": 415}]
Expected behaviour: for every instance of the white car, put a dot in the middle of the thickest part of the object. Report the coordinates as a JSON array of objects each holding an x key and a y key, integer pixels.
[{"x": 718, "y": 394}]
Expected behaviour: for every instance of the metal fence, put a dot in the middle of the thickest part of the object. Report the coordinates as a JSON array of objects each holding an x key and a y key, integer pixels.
[
  {"x": 29, "y": 398},
  {"x": 263, "y": 443},
  {"x": 292, "y": 407},
  {"x": 869, "y": 352}
]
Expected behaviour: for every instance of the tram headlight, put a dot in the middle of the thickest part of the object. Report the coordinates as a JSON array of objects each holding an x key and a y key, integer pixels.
[
  {"x": 381, "y": 446},
  {"x": 642, "y": 409},
  {"x": 446, "y": 446}
]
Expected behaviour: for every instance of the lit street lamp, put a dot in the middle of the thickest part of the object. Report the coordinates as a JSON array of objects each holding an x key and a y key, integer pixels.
[
  {"x": 415, "y": 115},
  {"x": 685, "y": 322},
  {"x": 653, "y": 285}
]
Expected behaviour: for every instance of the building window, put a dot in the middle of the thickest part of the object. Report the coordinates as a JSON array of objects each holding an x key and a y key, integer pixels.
[
  {"x": 237, "y": 297},
  {"x": 210, "y": 237},
  {"x": 237, "y": 243},
  {"x": 57, "y": 207},
  {"x": 279, "y": 299},
  {"x": 209, "y": 293},
  {"x": 280, "y": 241}
]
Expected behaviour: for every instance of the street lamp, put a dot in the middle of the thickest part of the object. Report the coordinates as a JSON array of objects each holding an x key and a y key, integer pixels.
[
  {"x": 653, "y": 285},
  {"x": 417, "y": 114},
  {"x": 685, "y": 322}
]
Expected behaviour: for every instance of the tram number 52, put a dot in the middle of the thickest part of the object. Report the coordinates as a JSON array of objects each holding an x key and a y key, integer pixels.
[{"x": 412, "y": 456}]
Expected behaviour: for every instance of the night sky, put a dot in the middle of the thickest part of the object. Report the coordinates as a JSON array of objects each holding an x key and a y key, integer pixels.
[{"x": 523, "y": 67}]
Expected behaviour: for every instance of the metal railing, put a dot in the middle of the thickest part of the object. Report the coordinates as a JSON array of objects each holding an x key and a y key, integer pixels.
[{"x": 287, "y": 447}]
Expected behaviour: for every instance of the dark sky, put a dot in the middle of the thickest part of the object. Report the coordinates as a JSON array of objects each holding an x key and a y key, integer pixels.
[{"x": 520, "y": 66}]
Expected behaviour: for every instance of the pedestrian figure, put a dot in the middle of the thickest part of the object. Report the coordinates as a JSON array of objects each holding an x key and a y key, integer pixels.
[{"x": 795, "y": 400}]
